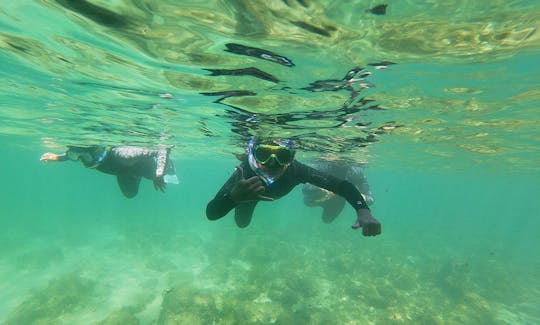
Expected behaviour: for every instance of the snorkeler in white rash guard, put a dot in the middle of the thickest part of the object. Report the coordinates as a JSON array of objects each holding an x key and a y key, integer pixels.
[{"x": 128, "y": 163}]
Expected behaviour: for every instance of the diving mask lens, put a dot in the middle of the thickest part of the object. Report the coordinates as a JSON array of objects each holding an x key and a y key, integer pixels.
[
  {"x": 264, "y": 153},
  {"x": 283, "y": 156}
]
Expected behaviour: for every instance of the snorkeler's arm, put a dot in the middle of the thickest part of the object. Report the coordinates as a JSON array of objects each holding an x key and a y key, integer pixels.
[
  {"x": 49, "y": 156},
  {"x": 162, "y": 156},
  {"x": 161, "y": 159},
  {"x": 343, "y": 188},
  {"x": 222, "y": 203},
  {"x": 357, "y": 176},
  {"x": 236, "y": 190},
  {"x": 370, "y": 225}
]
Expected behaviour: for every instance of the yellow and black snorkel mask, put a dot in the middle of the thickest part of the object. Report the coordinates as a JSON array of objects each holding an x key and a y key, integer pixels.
[
  {"x": 261, "y": 154},
  {"x": 264, "y": 152}
]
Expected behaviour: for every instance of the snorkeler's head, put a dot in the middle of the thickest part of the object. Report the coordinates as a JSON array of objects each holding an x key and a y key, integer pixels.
[
  {"x": 269, "y": 158},
  {"x": 90, "y": 156},
  {"x": 272, "y": 152}
]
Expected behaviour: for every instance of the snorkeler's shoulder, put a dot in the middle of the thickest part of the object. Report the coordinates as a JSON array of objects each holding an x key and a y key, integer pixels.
[
  {"x": 298, "y": 164},
  {"x": 298, "y": 168}
]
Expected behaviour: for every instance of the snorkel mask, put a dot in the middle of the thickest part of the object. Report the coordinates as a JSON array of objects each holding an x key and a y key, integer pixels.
[
  {"x": 270, "y": 159},
  {"x": 90, "y": 156}
]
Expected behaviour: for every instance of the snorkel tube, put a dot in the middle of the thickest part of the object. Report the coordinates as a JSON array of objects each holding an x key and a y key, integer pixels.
[{"x": 255, "y": 165}]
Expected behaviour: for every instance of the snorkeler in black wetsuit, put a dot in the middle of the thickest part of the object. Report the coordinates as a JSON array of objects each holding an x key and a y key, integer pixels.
[
  {"x": 332, "y": 204},
  {"x": 128, "y": 163},
  {"x": 270, "y": 172}
]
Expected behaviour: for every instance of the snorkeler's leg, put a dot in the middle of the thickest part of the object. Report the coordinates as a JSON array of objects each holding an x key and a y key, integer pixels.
[
  {"x": 129, "y": 185},
  {"x": 332, "y": 208},
  {"x": 243, "y": 213},
  {"x": 313, "y": 195}
]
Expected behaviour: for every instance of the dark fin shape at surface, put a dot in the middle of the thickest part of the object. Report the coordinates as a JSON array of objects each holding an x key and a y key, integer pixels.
[
  {"x": 378, "y": 10},
  {"x": 258, "y": 53},
  {"x": 311, "y": 28},
  {"x": 252, "y": 71},
  {"x": 95, "y": 13},
  {"x": 230, "y": 93}
]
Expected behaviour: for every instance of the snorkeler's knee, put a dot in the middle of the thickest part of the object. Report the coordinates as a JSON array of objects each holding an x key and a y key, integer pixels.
[
  {"x": 130, "y": 195},
  {"x": 328, "y": 219},
  {"x": 242, "y": 224}
]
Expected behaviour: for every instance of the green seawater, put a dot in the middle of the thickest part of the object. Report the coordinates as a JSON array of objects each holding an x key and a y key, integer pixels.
[{"x": 451, "y": 154}]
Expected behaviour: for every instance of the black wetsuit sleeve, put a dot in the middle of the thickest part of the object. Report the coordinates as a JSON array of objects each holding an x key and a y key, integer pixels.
[
  {"x": 222, "y": 203},
  {"x": 343, "y": 188}
]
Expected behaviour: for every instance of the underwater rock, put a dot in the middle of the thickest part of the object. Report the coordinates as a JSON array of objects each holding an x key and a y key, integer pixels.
[
  {"x": 47, "y": 306},
  {"x": 428, "y": 319},
  {"x": 406, "y": 281},
  {"x": 454, "y": 279},
  {"x": 374, "y": 298},
  {"x": 187, "y": 305},
  {"x": 297, "y": 316},
  {"x": 120, "y": 317}
]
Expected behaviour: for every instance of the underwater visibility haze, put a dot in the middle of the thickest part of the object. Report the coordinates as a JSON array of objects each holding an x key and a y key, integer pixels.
[{"x": 438, "y": 102}]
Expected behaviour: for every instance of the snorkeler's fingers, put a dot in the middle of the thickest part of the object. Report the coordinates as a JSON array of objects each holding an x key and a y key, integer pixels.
[
  {"x": 374, "y": 230},
  {"x": 264, "y": 198},
  {"x": 47, "y": 156},
  {"x": 253, "y": 181},
  {"x": 160, "y": 185},
  {"x": 240, "y": 173},
  {"x": 257, "y": 188}
]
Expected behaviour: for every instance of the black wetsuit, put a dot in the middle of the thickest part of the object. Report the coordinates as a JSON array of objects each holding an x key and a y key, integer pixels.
[{"x": 296, "y": 173}]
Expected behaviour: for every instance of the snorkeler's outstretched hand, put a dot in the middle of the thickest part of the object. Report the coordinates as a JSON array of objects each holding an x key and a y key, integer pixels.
[
  {"x": 370, "y": 226},
  {"x": 245, "y": 190},
  {"x": 159, "y": 184},
  {"x": 48, "y": 156}
]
